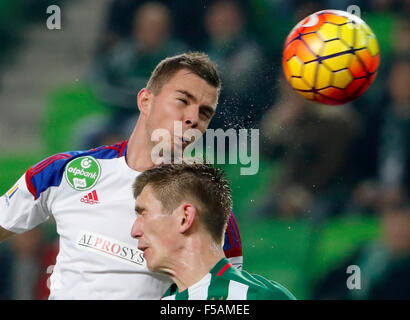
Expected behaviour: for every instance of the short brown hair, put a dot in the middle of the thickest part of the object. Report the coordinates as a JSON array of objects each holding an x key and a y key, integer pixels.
[
  {"x": 197, "y": 62},
  {"x": 205, "y": 185}
]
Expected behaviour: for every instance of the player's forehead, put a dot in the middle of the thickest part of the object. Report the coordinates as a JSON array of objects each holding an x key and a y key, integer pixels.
[
  {"x": 147, "y": 199},
  {"x": 185, "y": 80}
]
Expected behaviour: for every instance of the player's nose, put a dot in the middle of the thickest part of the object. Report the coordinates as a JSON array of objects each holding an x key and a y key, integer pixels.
[
  {"x": 191, "y": 116},
  {"x": 136, "y": 231}
]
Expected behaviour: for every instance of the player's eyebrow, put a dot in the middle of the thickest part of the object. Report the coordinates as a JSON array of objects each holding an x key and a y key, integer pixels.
[{"x": 194, "y": 99}]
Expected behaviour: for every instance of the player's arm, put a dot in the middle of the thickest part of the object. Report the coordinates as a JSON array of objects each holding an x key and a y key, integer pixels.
[
  {"x": 25, "y": 205},
  {"x": 20, "y": 211},
  {"x": 4, "y": 234}
]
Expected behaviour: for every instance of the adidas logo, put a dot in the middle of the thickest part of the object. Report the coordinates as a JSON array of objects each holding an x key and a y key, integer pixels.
[{"x": 90, "y": 198}]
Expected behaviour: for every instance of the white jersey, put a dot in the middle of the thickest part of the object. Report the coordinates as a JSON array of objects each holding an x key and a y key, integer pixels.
[{"x": 89, "y": 194}]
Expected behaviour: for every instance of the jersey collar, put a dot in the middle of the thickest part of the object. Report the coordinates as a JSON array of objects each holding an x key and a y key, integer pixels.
[{"x": 221, "y": 266}]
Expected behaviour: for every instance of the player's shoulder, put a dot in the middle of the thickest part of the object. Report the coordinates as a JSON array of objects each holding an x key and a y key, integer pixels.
[
  {"x": 274, "y": 292},
  {"x": 49, "y": 172},
  {"x": 270, "y": 290},
  {"x": 260, "y": 288}
]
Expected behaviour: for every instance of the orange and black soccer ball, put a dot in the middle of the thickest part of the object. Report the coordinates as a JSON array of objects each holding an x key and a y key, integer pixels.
[{"x": 331, "y": 57}]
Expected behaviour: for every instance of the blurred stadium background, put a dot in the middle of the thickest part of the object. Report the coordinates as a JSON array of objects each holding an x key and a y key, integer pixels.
[{"x": 332, "y": 188}]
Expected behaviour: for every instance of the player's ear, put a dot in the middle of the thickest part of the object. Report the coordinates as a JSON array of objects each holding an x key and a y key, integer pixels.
[
  {"x": 144, "y": 98},
  {"x": 187, "y": 217}
]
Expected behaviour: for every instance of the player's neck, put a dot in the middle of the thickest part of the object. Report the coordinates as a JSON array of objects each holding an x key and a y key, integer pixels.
[
  {"x": 138, "y": 155},
  {"x": 194, "y": 262}
]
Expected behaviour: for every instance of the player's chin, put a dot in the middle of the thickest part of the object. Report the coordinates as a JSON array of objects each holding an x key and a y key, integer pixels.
[
  {"x": 148, "y": 256},
  {"x": 151, "y": 265},
  {"x": 177, "y": 156}
]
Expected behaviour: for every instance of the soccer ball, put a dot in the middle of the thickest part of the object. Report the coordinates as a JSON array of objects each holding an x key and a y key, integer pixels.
[{"x": 331, "y": 57}]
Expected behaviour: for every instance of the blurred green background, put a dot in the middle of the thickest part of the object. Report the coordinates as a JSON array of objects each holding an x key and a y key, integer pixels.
[{"x": 297, "y": 253}]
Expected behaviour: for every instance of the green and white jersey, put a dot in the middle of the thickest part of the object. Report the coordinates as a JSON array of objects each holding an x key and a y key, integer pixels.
[{"x": 225, "y": 282}]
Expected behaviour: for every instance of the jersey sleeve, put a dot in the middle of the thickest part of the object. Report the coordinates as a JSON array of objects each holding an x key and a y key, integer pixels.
[
  {"x": 232, "y": 243},
  {"x": 19, "y": 211},
  {"x": 25, "y": 205}
]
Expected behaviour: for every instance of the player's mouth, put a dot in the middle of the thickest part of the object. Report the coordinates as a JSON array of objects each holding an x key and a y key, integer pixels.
[
  {"x": 142, "y": 247},
  {"x": 146, "y": 252},
  {"x": 183, "y": 141}
]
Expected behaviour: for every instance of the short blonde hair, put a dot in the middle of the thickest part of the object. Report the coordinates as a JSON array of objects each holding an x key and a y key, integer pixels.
[{"x": 197, "y": 62}]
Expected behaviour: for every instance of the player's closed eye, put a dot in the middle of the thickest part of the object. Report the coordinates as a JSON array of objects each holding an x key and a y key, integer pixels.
[
  {"x": 184, "y": 101},
  {"x": 140, "y": 211}
]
